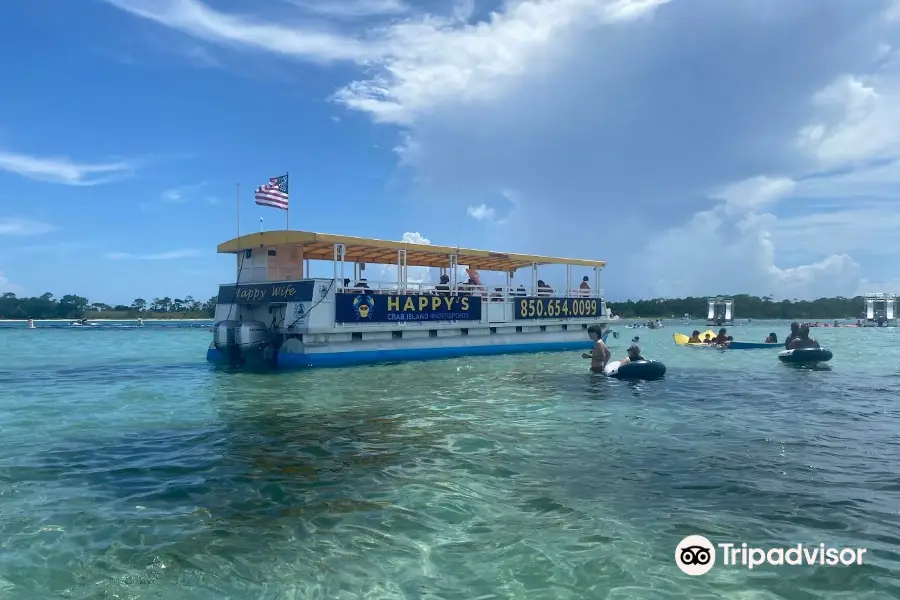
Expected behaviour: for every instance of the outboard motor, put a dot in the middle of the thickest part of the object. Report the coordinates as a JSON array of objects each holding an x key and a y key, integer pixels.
[{"x": 241, "y": 341}]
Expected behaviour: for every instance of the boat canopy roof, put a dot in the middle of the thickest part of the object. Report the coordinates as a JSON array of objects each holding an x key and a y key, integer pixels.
[{"x": 320, "y": 246}]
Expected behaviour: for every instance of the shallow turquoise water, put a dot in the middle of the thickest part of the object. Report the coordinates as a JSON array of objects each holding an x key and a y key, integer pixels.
[{"x": 131, "y": 469}]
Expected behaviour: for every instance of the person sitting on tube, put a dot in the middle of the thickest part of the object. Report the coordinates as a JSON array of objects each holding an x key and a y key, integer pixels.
[
  {"x": 707, "y": 339},
  {"x": 722, "y": 338},
  {"x": 695, "y": 338},
  {"x": 634, "y": 355},
  {"x": 599, "y": 354},
  {"x": 795, "y": 332},
  {"x": 803, "y": 340}
]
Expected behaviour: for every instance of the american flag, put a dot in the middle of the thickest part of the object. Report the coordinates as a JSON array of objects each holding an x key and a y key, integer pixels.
[{"x": 274, "y": 193}]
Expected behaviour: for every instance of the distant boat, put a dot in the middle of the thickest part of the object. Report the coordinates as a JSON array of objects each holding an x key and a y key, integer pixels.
[{"x": 83, "y": 324}]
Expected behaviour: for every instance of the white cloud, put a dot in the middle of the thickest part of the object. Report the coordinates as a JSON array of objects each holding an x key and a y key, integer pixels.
[
  {"x": 63, "y": 170},
  {"x": 880, "y": 181},
  {"x": 200, "y": 57},
  {"x": 721, "y": 251},
  {"x": 199, "y": 20},
  {"x": 434, "y": 61},
  {"x": 171, "y": 255},
  {"x": 414, "y": 64},
  {"x": 754, "y": 193},
  {"x": 8, "y": 287},
  {"x": 352, "y": 8},
  {"x": 599, "y": 124},
  {"x": 428, "y": 275},
  {"x": 482, "y": 212},
  {"x": 178, "y": 195},
  {"x": 173, "y": 195},
  {"x": 864, "y": 121},
  {"x": 22, "y": 227},
  {"x": 892, "y": 12},
  {"x": 870, "y": 228}
]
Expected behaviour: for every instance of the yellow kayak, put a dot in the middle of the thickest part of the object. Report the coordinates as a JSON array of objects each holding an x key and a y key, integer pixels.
[{"x": 682, "y": 340}]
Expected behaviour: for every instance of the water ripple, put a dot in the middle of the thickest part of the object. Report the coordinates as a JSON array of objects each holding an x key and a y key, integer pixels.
[{"x": 139, "y": 472}]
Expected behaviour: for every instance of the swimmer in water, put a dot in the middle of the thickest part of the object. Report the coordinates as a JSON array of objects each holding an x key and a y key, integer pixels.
[
  {"x": 803, "y": 340},
  {"x": 634, "y": 355},
  {"x": 599, "y": 354}
]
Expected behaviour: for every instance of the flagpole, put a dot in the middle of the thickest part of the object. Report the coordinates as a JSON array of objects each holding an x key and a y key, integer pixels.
[
  {"x": 287, "y": 211},
  {"x": 237, "y": 203}
]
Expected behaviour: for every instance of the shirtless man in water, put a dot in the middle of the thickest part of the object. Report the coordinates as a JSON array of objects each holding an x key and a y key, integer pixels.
[
  {"x": 600, "y": 354},
  {"x": 803, "y": 340}
]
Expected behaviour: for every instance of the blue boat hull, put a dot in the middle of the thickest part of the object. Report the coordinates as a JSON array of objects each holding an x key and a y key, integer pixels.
[
  {"x": 753, "y": 345},
  {"x": 311, "y": 360}
]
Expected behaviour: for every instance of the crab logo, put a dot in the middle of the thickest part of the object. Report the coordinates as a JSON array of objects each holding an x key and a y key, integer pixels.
[
  {"x": 363, "y": 306},
  {"x": 299, "y": 313}
]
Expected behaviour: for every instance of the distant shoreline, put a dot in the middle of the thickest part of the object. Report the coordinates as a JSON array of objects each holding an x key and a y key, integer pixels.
[{"x": 95, "y": 320}]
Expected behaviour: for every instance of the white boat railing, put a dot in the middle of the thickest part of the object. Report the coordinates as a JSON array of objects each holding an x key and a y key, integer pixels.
[{"x": 490, "y": 293}]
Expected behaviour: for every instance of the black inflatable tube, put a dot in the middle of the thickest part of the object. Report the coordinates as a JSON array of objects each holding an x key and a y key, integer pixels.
[
  {"x": 648, "y": 370},
  {"x": 805, "y": 355}
]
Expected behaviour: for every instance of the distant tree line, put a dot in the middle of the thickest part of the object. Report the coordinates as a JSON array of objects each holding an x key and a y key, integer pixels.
[
  {"x": 745, "y": 307},
  {"x": 71, "y": 306}
]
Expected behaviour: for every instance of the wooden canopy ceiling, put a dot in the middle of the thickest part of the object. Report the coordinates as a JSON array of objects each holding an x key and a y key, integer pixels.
[{"x": 320, "y": 246}]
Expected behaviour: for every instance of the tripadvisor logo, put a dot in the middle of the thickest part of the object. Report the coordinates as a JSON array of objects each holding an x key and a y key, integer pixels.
[{"x": 696, "y": 555}]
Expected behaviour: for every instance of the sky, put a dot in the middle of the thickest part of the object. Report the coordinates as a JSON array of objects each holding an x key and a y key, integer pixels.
[{"x": 700, "y": 147}]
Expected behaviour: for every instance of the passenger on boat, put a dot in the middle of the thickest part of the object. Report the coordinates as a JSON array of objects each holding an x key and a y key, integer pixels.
[
  {"x": 599, "y": 354},
  {"x": 362, "y": 284},
  {"x": 695, "y": 338},
  {"x": 795, "y": 332},
  {"x": 634, "y": 355},
  {"x": 520, "y": 291},
  {"x": 443, "y": 288},
  {"x": 543, "y": 289},
  {"x": 473, "y": 285},
  {"x": 772, "y": 338},
  {"x": 585, "y": 287},
  {"x": 803, "y": 340}
]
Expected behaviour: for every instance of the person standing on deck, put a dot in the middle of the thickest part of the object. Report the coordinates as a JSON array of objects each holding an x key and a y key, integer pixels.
[
  {"x": 600, "y": 354},
  {"x": 585, "y": 287}
]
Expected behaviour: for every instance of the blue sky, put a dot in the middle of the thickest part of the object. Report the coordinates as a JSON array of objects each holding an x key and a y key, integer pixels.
[{"x": 699, "y": 146}]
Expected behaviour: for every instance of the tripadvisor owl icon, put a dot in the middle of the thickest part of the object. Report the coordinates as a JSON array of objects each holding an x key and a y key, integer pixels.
[{"x": 695, "y": 555}]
